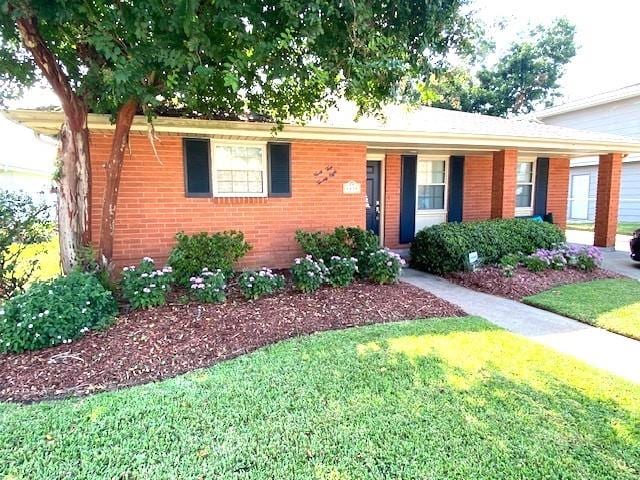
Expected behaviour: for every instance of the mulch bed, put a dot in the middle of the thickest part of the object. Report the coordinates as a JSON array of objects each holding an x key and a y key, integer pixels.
[
  {"x": 524, "y": 283},
  {"x": 145, "y": 346}
]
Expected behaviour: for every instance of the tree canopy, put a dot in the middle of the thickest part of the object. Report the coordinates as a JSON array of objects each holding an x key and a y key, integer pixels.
[{"x": 525, "y": 77}]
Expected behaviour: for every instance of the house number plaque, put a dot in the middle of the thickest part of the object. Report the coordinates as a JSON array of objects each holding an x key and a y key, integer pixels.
[{"x": 351, "y": 187}]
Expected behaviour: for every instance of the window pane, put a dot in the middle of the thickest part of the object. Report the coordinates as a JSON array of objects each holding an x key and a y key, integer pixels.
[
  {"x": 225, "y": 175},
  {"x": 225, "y": 187},
  {"x": 431, "y": 197},
  {"x": 523, "y": 196},
  {"x": 525, "y": 172},
  {"x": 239, "y": 169},
  {"x": 239, "y": 176},
  {"x": 431, "y": 171}
]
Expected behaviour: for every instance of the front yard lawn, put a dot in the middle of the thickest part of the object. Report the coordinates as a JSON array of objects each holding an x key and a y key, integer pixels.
[
  {"x": 612, "y": 304},
  {"x": 624, "y": 228},
  {"x": 438, "y": 398}
]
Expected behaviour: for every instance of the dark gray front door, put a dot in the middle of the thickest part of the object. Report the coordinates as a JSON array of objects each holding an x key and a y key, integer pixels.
[{"x": 373, "y": 197}]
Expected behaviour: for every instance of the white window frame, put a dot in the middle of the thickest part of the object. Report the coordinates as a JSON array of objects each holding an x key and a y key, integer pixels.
[
  {"x": 432, "y": 211},
  {"x": 214, "y": 170},
  {"x": 527, "y": 211}
]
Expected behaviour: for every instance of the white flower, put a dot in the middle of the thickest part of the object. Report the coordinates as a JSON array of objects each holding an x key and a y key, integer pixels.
[
  {"x": 88, "y": 302},
  {"x": 30, "y": 325},
  {"x": 147, "y": 259},
  {"x": 50, "y": 292},
  {"x": 146, "y": 290},
  {"x": 297, "y": 260},
  {"x": 19, "y": 324},
  {"x": 144, "y": 275},
  {"x": 153, "y": 285},
  {"x": 389, "y": 264},
  {"x": 46, "y": 312},
  {"x": 251, "y": 279},
  {"x": 37, "y": 334},
  {"x": 125, "y": 269},
  {"x": 205, "y": 269},
  {"x": 194, "y": 286},
  {"x": 40, "y": 315},
  {"x": 83, "y": 310},
  {"x": 1, "y": 311}
]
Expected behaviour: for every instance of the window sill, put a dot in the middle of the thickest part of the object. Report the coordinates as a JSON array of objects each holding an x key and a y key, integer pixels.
[
  {"x": 524, "y": 212},
  {"x": 429, "y": 213}
]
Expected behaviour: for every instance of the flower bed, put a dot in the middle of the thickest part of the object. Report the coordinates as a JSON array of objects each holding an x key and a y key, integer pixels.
[
  {"x": 523, "y": 282},
  {"x": 148, "y": 345}
]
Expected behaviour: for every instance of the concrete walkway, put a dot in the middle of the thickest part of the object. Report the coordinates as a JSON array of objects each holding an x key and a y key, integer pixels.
[{"x": 600, "y": 348}]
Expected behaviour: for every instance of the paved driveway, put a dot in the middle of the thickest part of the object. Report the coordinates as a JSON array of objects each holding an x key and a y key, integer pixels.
[{"x": 616, "y": 261}]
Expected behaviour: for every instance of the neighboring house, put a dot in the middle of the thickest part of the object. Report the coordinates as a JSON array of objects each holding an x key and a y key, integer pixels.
[
  {"x": 416, "y": 168},
  {"x": 26, "y": 161},
  {"x": 616, "y": 112}
]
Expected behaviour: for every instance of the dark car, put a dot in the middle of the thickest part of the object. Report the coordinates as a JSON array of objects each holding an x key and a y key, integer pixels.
[{"x": 635, "y": 246}]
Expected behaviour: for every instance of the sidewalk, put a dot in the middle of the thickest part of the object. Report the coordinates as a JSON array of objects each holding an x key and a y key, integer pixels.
[{"x": 599, "y": 348}]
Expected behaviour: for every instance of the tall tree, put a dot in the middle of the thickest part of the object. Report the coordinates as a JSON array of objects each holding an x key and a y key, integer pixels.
[
  {"x": 525, "y": 77},
  {"x": 283, "y": 59}
]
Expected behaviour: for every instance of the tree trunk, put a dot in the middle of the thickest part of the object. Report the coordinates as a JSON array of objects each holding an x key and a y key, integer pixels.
[
  {"x": 73, "y": 194},
  {"x": 75, "y": 179},
  {"x": 113, "y": 173}
]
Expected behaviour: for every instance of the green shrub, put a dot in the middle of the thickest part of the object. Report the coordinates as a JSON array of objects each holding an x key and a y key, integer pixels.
[
  {"x": 192, "y": 253},
  {"x": 145, "y": 286},
  {"x": 509, "y": 263},
  {"x": 209, "y": 287},
  {"x": 342, "y": 242},
  {"x": 444, "y": 248},
  {"x": 534, "y": 263},
  {"x": 53, "y": 312},
  {"x": 254, "y": 285},
  {"x": 384, "y": 266},
  {"x": 23, "y": 222},
  {"x": 342, "y": 270},
  {"x": 309, "y": 274}
]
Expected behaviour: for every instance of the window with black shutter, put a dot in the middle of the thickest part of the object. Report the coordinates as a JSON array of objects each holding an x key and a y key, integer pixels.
[
  {"x": 279, "y": 156},
  {"x": 197, "y": 167}
]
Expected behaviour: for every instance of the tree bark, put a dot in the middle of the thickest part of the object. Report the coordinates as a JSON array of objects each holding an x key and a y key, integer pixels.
[
  {"x": 74, "y": 183},
  {"x": 113, "y": 169}
]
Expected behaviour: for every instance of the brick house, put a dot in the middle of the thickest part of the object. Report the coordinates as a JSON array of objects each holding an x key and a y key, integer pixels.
[{"x": 395, "y": 175}]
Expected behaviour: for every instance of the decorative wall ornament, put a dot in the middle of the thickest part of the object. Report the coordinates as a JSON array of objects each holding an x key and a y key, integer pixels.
[{"x": 325, "y": 174}]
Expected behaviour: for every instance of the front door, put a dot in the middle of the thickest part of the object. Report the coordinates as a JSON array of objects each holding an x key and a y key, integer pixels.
[
  {"x": 373, "y": 197},
  {"x": 579, "y": 200}
]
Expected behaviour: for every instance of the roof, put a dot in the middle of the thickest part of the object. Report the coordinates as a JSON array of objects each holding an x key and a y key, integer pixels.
[
  {"x": 398, "y": 127},
  {"x": 623, "y": 93}
]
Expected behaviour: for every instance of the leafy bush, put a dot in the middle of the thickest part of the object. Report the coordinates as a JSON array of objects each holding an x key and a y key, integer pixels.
[
  {"x": 254, "y": 285},
  {"x": 384, "y": 266},
  {"x": 444, "y": 248},
  {"x": 145, "y": 286},
  {"x": 509, "y": 263},
  {"x": 23, "y": 222},
  {"x": 53, "y": 312},
  {"x": 342, "y": 270},
  {"x": 209, "y": 287},
  {"x": 535, "y": 264},
  {"x": 583, "y": 258},
  {"x": 342, "y": 242},
  {"x": 308, "y": 274},
  {"x": 192, "y": 253}
]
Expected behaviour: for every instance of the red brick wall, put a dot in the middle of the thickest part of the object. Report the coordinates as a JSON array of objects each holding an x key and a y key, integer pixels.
[
  {"x": 478, "y": 171},
  {"x": 607, "y": 199},
  {"x": 558, "y": 190},
  {"x": 503, "y": 188},
  {"x": 152, "y": 205},
  {"x": 392, "y": 179}
]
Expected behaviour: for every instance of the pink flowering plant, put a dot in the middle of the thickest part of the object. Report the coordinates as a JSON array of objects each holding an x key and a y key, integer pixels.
[
  {"x": 384, "y": 266},
  {"x": 254, "y": 285},
  {"x": 309, "y": 274},
  {"x": 573, "y": 256},
  {"x": 54, "y": 312},
  {"x": 342, "y": 270},
  {"x": 209, "y": 286},
  {"x": 582, "y": 257},
  {"x": 146, "y": 286}
]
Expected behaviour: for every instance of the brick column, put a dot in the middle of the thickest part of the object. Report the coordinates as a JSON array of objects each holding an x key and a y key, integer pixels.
[
  {"x": 558, "y": 190},
  {"x": 608, "y": 199},
  {"x": 503, "y": 184},
  {"x": 392, "y": 201}
]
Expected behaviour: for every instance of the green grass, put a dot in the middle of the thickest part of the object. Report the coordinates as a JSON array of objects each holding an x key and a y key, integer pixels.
[
  {"x": 624, "y": 228},
  {"x": 610, "y": 304},
  {"x": 48, "y": 254},
  {"x": 448, "y": 398}
]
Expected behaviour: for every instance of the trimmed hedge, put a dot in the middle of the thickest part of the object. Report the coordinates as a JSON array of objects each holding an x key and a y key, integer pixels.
[{"x": 444, "y": 248}]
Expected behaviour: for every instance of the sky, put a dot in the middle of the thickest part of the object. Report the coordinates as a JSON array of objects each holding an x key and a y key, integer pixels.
[{"x": 606, "y": 36}]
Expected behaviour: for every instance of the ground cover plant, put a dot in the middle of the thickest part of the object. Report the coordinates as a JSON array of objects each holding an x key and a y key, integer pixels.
[
  {"x": 444, "y": 248},
  {"x": 255, "y": 285},
  {"x": 439, "y": 398},
  {"x": 148, "y": 345},
  {"x": 612, "y": 304},
  {"x": 55, "y": 312},
  {"x": 145, "y": 286},
  {"x": 209, "y": 287}
]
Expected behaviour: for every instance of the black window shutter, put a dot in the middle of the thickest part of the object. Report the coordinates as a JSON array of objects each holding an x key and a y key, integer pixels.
[
  {"x": 279, "y": 156},
  {"x": 197, "y": 167},
  {"x": 409, "y": 170},
  {"x": 540, "y": 190},
  {"x": 456, "y": 189}
]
